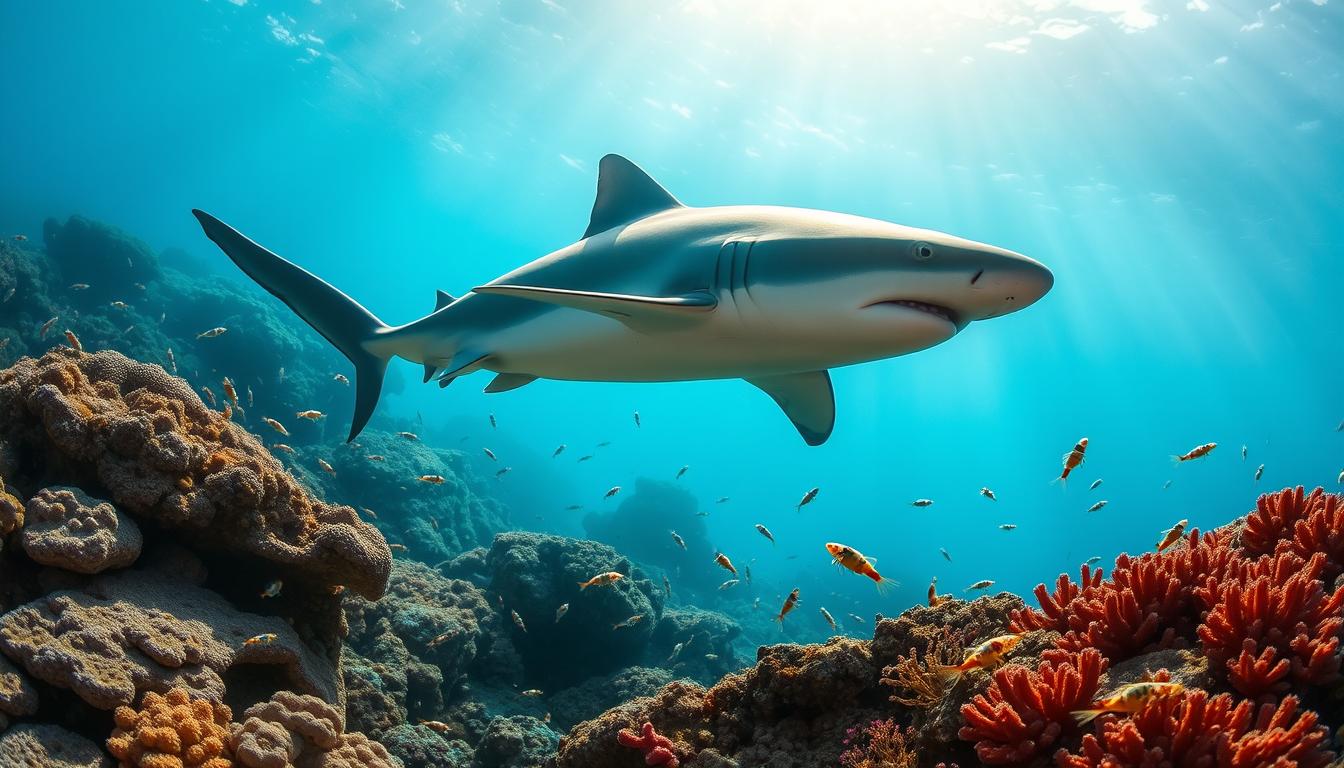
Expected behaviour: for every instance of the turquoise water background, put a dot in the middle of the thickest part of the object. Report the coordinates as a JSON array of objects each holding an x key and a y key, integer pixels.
[{"x": 1177, "y": 165}]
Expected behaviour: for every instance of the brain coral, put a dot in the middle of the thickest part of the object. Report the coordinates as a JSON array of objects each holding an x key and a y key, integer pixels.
[
  {"x": 130, "y": 632},
  {"x": 172, "y": 731},
  {"x": 68, "y": 529},
  {"x": 299, "y": 731},
  {"x": 48, "y": 746},
  {"x": 165, "y": 456}
]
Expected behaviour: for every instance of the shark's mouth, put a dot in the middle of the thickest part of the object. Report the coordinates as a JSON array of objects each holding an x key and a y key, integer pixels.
[{"x": 937, "y": 310}]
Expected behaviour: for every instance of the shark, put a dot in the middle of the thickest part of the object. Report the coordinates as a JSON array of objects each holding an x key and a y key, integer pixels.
[{"x": 659, "y": 291}]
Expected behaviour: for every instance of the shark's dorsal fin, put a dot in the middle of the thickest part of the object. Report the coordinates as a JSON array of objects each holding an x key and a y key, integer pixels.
[
  {"x": 625, "y": 193},
  {"x": 806, "y": 398},
  {"x": 442, "y": 299}
]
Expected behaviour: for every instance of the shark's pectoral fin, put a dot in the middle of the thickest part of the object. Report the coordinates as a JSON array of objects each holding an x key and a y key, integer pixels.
[
  {"x": 639, "y": 312},
  {"x": 463, "y": 359},
  {"x": 507, "y": 381},
  {"x": 807, "y": 399}
]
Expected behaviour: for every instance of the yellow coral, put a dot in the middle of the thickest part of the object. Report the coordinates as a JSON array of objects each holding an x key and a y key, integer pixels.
[{"x": 172, "y": 730}]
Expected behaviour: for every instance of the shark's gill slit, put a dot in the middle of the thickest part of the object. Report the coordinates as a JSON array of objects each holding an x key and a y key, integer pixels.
[{"x": 977, "y": 276}]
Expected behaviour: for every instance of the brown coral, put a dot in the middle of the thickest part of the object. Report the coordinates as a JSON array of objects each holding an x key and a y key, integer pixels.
[
  {"x": 17, "y": 695},
  {"x": 48, "y": 746},
  {"x": 165, "y": 456},
  {"x": 174, "y": 730},
  {"x": 11, "y": 512},
  {"x": 130, "y": 631},
  {"x": 68, "y": 529},
  {"x": 916, "y": 676},
  {"x": 304, "y": 732}
]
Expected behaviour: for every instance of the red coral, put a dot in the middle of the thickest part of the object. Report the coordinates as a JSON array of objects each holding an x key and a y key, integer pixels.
[
  {"x": 1271, "y": 621},
  {"x": 1024, "y": 712},
  {"x": 657, "y": 748},
  {"x": 1305, "y": 523},
  {"x": 1195, "y": 730},
  {"x": 1054, "y": 607}
]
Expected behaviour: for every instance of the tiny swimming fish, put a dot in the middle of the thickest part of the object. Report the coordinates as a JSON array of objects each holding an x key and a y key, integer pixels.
[
  {"x": 825, "y": 614},
  {"x": 229, "y": 391},
  {"x": 746, "y": 572},
  {"x": 1073, "y": 459},
  {"x": 682, "y": 471},
  {"x": 711, "y": 657},
  {"x": 21, "y": 238},
  {"x": 702, "y": 513},
  {"x": 807, "y": 499},
  {"x": 249, "y": 397},
  {"x": 936, "y": 599},
  {"x": 1260, "y": 470},
  {"x": 636, "y": 419},
  {"x": 273, "y": 589},
  {"x": 604, "y": 444},
  {"x": 1008, "y": 527},
  {"x": 1198, "y": 451},
  {"x": 561, "y": 611},
  {"x": 79, "y": 286},
  {"x": 574, "y": 507},
  {"x": 1172, "y": 535},
  {"x": 1128, "y": 699},
  {"x": 585, "y": 457},
  {"x": 310, "y": 415},
  {"x": 210, "y": 396},
  {"x": 376, "y": 457},
  {"x": 729, "y": 584},
  {"x": 946, "y": 556},
  {"x": 280, "y": 375},
  {"x": 676, "y": 538},
  {"x": 756, "y": 604},
  {"x": 228, "y": 412},
  {"x": 432, "y": 479},
  {"x": 120, "y": 305},
  {"x": 1095, "y": 484},
  {"x": 74, "y": 341},
  {"x": 981, "y": 584},
  {"x": 558, "y": 451},
  {"x": 502, "y": 472},
  {"x": 601, "y": 579},
  {"x": 853, "y": 560},
  {"x": 42, "y": 333},
  {"x": 532, "y": 693},
  {"x": 265, "y": 639},
  {"x": 408, "y": 435},
  {"x": 489, "y": 454},
  {"x": 282, "y": 448},
  {"x": 1093, "y": 560},
  {"x": 1166, "y": 485},
  {"x": 397, "y": 548},
  {"x": 213, "y": 333},
  {"x": 676, "y": 651},
  {"x": 761, "y": 529},
  {"x": 340, "y": 378},
  {"x": 326, "y": 467},
  {"x": 277, "y": 426},
  {"x": 988, "y": 494},
  {"x": 337, "y": 590},
  {"x": 370, "y": 513},
  {"x": 723, "y": 561},
  {"x": 857, "y": 619},
  {"x": 139, "y": 286},
  {"x": 437, "y": 726},
  {"x": 1243, "y": 453},
  {"x": 986, "y": 655},
  {"x": 434, "y": 522},
  {"x": 440, "y": 639},
  {"x": 789, "y": 603},
  {"x": 1098, "y": 505},
  {"x": 722, "y": 500},
  {"x": 518, "y": 621},
  {"x": 4, "y": 342},
  {"x": 615, "y": 489},
  {"x": 922, "y": 503},
  {"x": 667, "y": 586}
]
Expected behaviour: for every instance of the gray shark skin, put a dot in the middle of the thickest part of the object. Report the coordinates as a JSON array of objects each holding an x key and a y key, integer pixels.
[{"x": 659, "y": 291}]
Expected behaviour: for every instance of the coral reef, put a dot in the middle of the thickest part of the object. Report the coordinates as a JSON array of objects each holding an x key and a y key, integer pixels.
[
  {"x": 172, "y": 731},
  {"x": 883, "y": 744},
  {"x": 515, "y": 742},
  {"x": 592, "y": 696},
  {"x": 48, "y": 746},
  {"x": 657, "y": 749},
  {"x": 69, "y": 530},
  {"x": 303, "y": 732}
]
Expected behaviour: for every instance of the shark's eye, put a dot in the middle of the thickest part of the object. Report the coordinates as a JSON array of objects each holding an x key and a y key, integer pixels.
[{"x": 922, "y": 251}]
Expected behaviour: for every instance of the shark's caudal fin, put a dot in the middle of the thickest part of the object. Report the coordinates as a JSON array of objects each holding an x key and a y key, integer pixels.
[{"x": 339, "y": 318}]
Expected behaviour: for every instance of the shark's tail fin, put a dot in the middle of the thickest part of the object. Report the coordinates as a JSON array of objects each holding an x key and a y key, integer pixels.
[{"x": 331, "y": 313}]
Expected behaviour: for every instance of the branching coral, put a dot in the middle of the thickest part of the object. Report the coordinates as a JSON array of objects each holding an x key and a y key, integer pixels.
[
  {"x": 1054, "y": 611},
  {"x": 1304, "y": 523},
  {"x": 657, "y": 749},
  {"x": 174, "y": 730},
  {"x": 1195, "y": 730},
  {"x": 916, "y": 676},
  {"x": 1273, "y": 625},
  {"x": 883, "y": 744},
  {"x": 1024, "y": 712}
]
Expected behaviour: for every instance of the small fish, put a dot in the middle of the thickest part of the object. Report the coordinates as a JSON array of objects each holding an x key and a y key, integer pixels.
[
  {"x": 853, "y": 560},
  {"x": 432, "y": 479},
  {"x": 1093, "y": 560},
  {"x": 277, "y": 426},
  {"x": 702, "y": 513},
  {"x": 1008, "y": 527},
  {"x": 326, "y": 467},
  {"x": 1260, "y": 470},
  {"x": 139, "y": 286},
  {"x": 228, "y": 412},
  {"x": 585, "y": 457},
  {"x": 1073, "y": 459},
  {"x": 1340, "y": 479},
  {"x": 441, "y": 639},
  {"x": 856, "y": 618},
  {"x": 42, "y": 333},
  {"x": 986, "y": 655},
  {"x": 680, "y": 542},
  {"x": 229, "y": 391},
  {"x": 437, "y": 726},
  {"x": 210, "y": 396},
  {"x": 266, "y": 639},
  {"x": 120, "y": 305},
  {"x": 756, "y": 604},
  {"x": 376, "y": 457},
  {"x": 789, "y": 603},
  {"x": 282, "y": 448},
  {"x": 946, "y": 556},
  {"x": 1095, "y": 484},
  {"x": 336, "y": 590},
  {"x": 722, "y": 500},
  {"x": 341, "y": 379},
  {"x": 502, "y": 472},
  {"x": 369, "y": 513},
  {"x": 746, "y": 572},
  {"x": 21, "y": 238},
  {"x": 981, "y": 584},
  {"x": 682, "y": 471},
  {"x": 667, "y": 585},
  {"x": 310, "y": 415},
  {"x": 729, "y": 584},
  {"x": 558, "y": 451},
  {"x": 397, "y": 547},
  {"x": 936, "y": 599},
  {"x": 922, "y": 503},
  {"x": 711, "y": 657},
  {"x": 489, "y": 454},
  {"x": 676, "y": 651},
  {"x": 1243, "y": 453},
  {"x": 518, "y": 621},
  {"x": 74, "y": 341},
  {"x": 1197, "y": 452},
  {"x": 79, "y": 286},
  {"x": 434, "y": 522},
  {"x": 280, "y": 375},
  {"x": 807, "y": 499},
  {"x": 1098, "y": 505},
  {"x": 988, "y": 494},
  {"x": 604, "y": 444},
  {"x": 574, "y": 507},
  {"x": 602, "y": 579},
  {"x": 532, "y": 693},
  {"x": 561, "y": 611},
  {"x": 1166, "y": 485},
  {"x": 249, "y": 397},
  {"x": 722, "y": 561},
  {"x": 4, "y": 342},
  {"x": 636, "y": 419},
  {"x": 615, "y": 489},
  {"x": 216, "y": 332},
  {"x": 1128, "y": 699},
  {"x": 761, "y": 529},
  {"x": 825, "y": 614},
  {"x": 493, "y": 424},
  {"x": 1172, "y": 535},
  {"x": 408, "y": 435},
  {"x": 630, "y": 622},
  {"x": 273, "y": 589}
]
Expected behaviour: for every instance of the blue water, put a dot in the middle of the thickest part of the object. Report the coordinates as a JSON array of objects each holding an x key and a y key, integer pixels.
[{"x": 1177, "y": 166}]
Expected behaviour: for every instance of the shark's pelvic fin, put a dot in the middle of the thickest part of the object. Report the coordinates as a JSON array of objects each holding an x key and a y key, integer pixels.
[
  {"x": 507, "y": 381},
  {"x": 639, "y": 312},
  {"x": 625, "y": 193},
  {"x": 331, "y": 313},
  {"x": 430, "y": 368},
  {"x": 441, "y": 300},
  {"x": 463, "y": 359},
  {"x": 807, "y": 399}
]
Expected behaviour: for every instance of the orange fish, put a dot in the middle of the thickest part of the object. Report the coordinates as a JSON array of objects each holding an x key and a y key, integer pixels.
[
  {"x": 610, "y": 577},
  {"x": 330, "y": 470},
  {"x": 74, "y": 341},
  {"x": 1073, "y": 459},
  {"x": 1197, "y": 452},
  {"x": 432, "y": 479},
  {"x": 789, "y": 603},
  {"x": 1173, "y": 535},
  {"x": 986, "y": 655},
  {"x": 1128, "y": 699},
  {"x": 277, "y": 426},
  {"x": 265, "y": 639},
  {"x": 936, "y": 599},
  {"x": 853, "y": 560},
  {"x": 229, "y": 391},
  {"x": 723, "y": 560}
]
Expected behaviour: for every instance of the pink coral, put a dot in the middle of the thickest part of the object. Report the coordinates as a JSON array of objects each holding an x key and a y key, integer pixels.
[{"x": 657, "y": 749}]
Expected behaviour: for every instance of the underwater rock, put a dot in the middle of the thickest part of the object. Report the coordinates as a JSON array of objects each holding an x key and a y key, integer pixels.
[
  {"x": 515, "y": 742},
  {"x": 173, "y": 729},
  {"x": 534, "y": 574},
  {"x": 597, "y": 694},
  {"x": 303, "y": 732},
  {"x": 103, "y": 257},
  {"x": 130, "y": 632},
  {"x": 418, "y": 746},
  {"x": 48, "y": 746},
  {"x": 18, "y": 697},
  {"x": 70, "y": 530},
  {"x": 11, "y": 513},
  {"x": 706, "y": 639},
  {"x": 164, "y": 456},
  {"x": 639, "y": 527}
]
